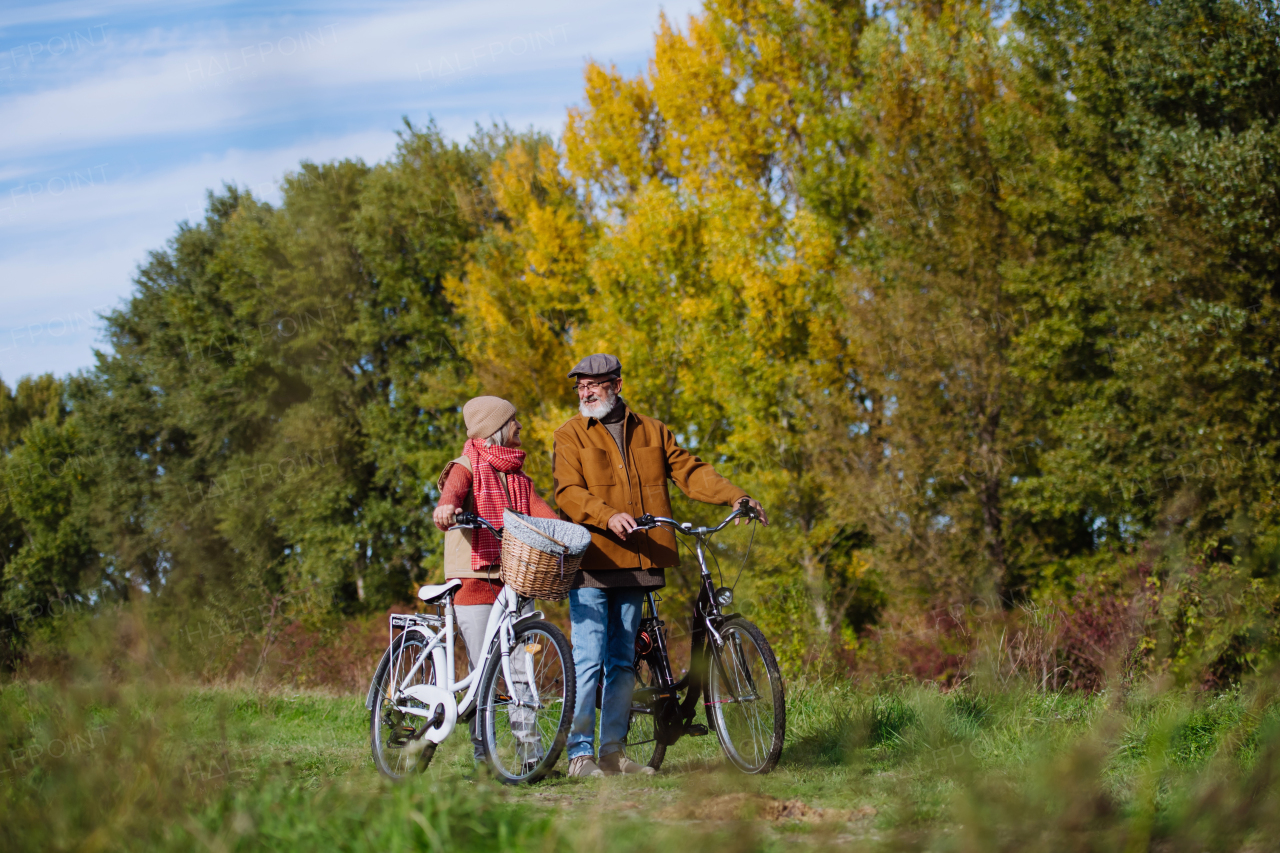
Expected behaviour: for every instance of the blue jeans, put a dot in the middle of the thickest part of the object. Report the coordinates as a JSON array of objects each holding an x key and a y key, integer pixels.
[{"x": 605, "y": 622}]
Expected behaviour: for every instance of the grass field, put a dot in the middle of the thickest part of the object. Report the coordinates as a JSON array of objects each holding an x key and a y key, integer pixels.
[{"x": 127, "y": 757}]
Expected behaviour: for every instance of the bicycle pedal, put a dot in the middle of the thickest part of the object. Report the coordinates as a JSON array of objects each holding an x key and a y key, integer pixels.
[
  {"x": 696, "y": 730},
  {"x": 402, "y": 738}
]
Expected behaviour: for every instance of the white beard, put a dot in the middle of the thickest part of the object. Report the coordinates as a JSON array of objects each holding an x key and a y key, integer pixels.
[{"x": 600, "y": 407}]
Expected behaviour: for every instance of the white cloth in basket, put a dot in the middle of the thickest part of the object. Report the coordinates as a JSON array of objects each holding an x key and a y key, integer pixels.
[{"x": 575, "y": 537}]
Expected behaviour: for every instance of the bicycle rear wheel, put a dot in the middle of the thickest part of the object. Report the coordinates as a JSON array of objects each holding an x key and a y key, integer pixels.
[
  {"x": 396, "y": 737},
  {"x": 524, "y": 723},
  {"x": 745, "y": 701},
  {"x": 642, "y": 744}
]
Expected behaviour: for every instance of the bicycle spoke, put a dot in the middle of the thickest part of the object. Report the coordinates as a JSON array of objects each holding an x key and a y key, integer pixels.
[
  {"x": 525, "y": 729},
  {"x": 743, "y": 688},
  {"x": 755, "y": 718},
  {"x": 754, "y": 723},
  {"x": 740, "y": 713}
]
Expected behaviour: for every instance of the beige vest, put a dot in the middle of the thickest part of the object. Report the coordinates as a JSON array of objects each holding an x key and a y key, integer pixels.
[{"x": 457, "y": 540}]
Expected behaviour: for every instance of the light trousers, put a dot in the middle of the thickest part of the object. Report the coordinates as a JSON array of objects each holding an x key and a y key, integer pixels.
[{"x": 472, "y": 620}]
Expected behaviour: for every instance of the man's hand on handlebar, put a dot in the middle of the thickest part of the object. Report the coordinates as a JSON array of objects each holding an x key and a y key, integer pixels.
[
  {"x": 443, "y": 516},
  {"x": 755, "y": 505},
  {"x": 621, "y": 524}
]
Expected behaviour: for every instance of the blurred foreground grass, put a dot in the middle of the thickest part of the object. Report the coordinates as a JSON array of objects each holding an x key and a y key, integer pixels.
[{"x": 118, "y": 752}]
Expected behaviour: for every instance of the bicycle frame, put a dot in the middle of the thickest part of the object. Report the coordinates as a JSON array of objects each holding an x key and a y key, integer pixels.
[
  {"x": 441, "y": 649},
  {"x": 676, "y": 719}
]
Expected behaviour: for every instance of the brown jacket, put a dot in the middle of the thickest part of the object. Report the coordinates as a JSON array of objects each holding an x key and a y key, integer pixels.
[{"x": 592, "y": 484}]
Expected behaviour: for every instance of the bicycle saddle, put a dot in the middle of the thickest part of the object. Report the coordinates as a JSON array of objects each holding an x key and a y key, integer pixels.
[{"x": 434, "y": 592}]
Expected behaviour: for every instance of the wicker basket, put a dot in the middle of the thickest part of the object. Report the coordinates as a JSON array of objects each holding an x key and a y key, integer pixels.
[{"x": 544, "y": 571}]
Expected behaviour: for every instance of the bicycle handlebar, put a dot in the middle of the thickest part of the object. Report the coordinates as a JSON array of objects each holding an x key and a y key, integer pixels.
[
  {"x": 649, "y": 522},
  {"x": 471, "y": 521}
]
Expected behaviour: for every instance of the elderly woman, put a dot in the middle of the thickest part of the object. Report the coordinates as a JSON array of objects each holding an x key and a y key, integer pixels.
[{"x": 486, "y": 479}]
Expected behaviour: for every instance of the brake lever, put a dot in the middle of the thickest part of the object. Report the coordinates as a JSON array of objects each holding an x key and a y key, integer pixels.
[{"x": 472, "y": 521}]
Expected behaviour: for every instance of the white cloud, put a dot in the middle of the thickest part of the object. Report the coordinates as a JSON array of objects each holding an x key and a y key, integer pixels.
[
  {"x": 121, "y": 192},
  {"x": 72, "y": 256},
  {"x": 181, "y": 84},
  {"x": 103, "y": 151}
]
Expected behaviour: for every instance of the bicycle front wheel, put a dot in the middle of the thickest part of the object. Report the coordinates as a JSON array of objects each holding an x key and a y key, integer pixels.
[
  {"x": 745, "y": 701},
  {"x": 526, "y": 711}
]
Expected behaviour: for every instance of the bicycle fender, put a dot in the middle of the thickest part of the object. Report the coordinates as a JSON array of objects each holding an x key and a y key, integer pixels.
[
  {"x": 382, "y": 665},
  {"x": 524, "y": 620},
  {"x": 377, "y": 676}
]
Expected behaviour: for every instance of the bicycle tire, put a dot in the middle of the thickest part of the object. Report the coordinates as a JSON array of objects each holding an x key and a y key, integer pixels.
[
  {"x": 750, "y": 735},
  {"x": 553, "y": 677},
  {"x": 643, "y": 745},
  {"x": 386, "y": 724}
]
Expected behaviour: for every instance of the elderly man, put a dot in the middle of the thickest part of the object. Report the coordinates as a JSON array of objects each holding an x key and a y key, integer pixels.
[{"x": 611, "y": 465}]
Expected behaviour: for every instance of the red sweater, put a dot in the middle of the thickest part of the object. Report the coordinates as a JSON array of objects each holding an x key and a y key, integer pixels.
[{"x": 456, "y": 489}]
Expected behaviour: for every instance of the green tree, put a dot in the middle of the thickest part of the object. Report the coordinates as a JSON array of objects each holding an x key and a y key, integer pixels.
[
  {"x": 933, "y": 447},
  {"x": 48, "y": 556},
  {"x": 1152, "y": 205},
  {"x": 280, "y": 396}
]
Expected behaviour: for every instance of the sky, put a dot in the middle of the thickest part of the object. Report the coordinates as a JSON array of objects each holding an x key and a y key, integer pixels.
[{"x": 117, "y": 116}]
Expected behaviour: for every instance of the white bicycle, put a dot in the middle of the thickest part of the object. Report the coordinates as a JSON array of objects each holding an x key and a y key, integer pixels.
[{"x": 522, "y": 688}]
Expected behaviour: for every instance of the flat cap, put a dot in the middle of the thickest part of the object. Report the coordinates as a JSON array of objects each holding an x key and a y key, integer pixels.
[{"x": 599, "y": 364}]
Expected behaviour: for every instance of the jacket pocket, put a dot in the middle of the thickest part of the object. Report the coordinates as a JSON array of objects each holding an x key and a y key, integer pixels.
[
  {"x": 597, "y": 467},
  {"x": 651, "y": 465}
]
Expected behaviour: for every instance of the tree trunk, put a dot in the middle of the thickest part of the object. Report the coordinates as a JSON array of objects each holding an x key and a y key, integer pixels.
[
  {"x": 360, "y": 563},
  {"x": 989, "y": 495},
  {"x": 813, "y": 581}
]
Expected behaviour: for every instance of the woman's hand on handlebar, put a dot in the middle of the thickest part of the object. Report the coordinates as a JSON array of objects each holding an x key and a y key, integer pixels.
[
  {"x": 753, "y": 504},
  {"x": 443, "y": 516}
]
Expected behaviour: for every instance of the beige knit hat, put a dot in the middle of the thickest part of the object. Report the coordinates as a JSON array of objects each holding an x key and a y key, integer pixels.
[{"x": 486, "y": 415}]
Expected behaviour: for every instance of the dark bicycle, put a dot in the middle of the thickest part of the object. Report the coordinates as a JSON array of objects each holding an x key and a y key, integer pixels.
[{"x": 731, "y": 666}]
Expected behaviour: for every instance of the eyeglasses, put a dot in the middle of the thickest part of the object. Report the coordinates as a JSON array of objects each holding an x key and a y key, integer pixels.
[{"x": 591, "y": 387}]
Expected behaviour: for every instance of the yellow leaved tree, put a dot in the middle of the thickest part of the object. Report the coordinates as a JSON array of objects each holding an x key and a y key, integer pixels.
[
  {"x": 522, "y": 289},
  {"x": 694, "y": 226}
]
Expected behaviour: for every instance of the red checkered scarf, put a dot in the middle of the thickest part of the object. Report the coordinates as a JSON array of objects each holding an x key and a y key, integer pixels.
[{"x": 490, "y": 499}]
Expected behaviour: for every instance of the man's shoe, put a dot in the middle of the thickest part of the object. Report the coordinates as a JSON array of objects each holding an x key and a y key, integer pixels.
[
  {"x": 616, "y": 762},
  {"x": 584, "y": 765}
]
